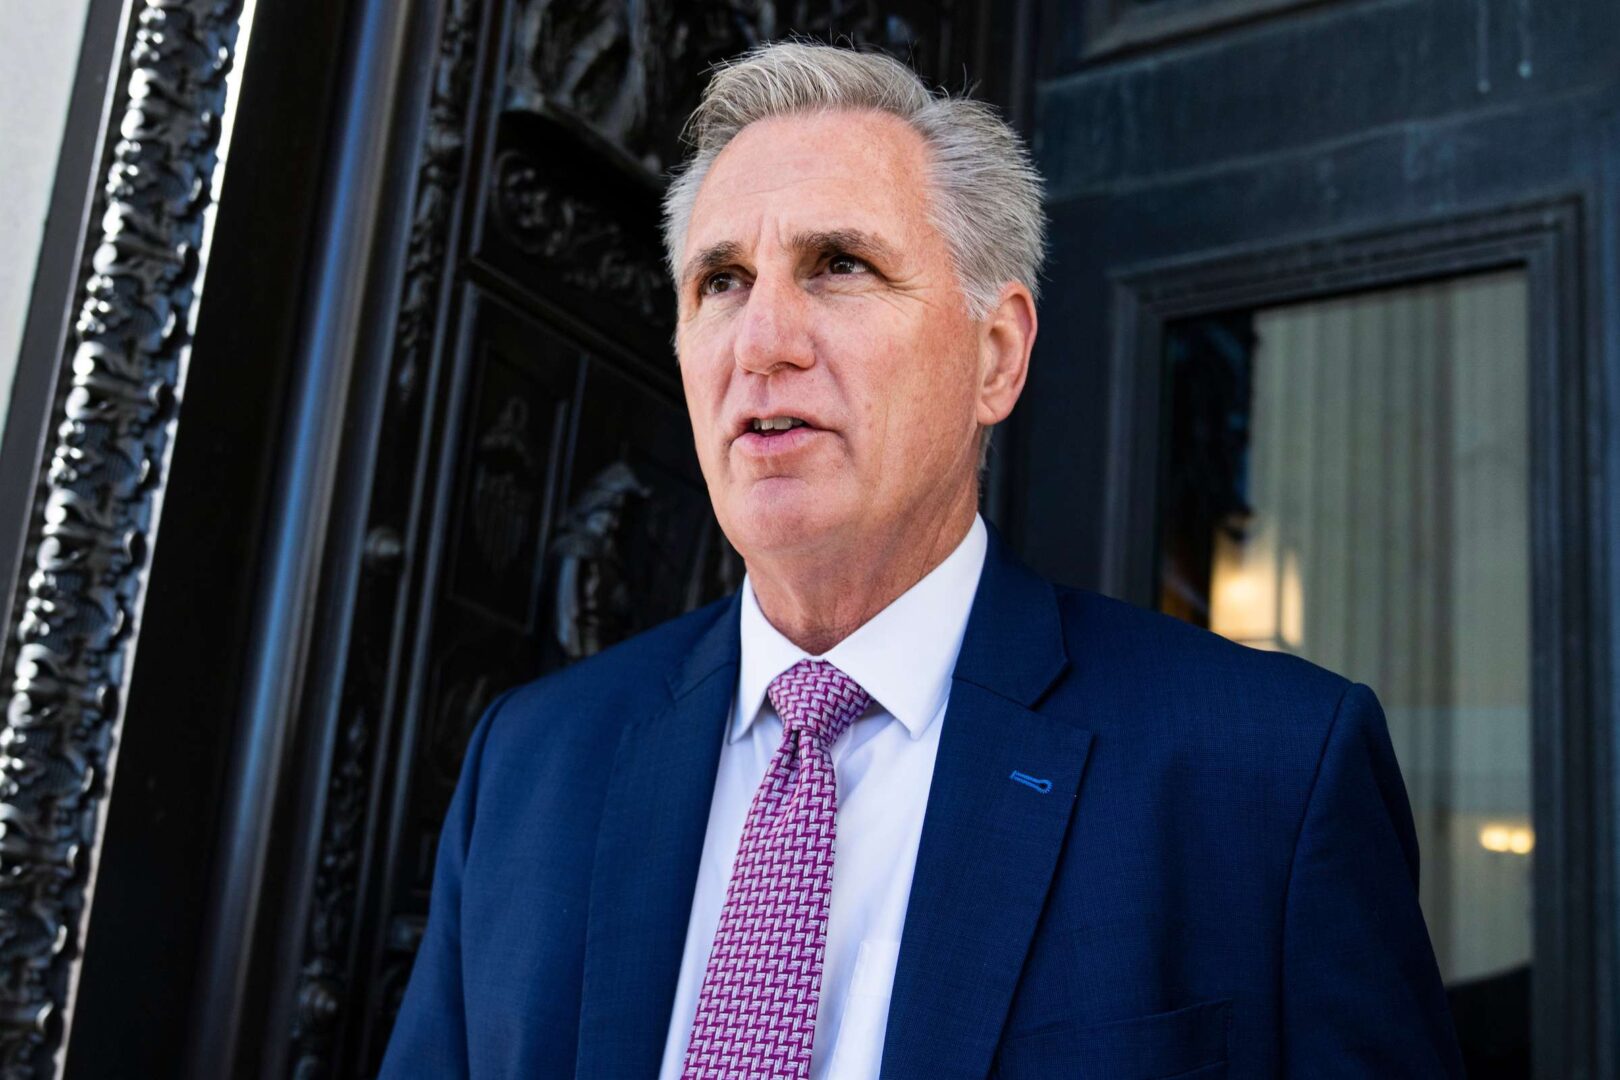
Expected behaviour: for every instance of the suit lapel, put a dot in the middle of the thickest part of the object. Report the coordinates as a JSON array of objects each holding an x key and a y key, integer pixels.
[
  {"x": 989, "y": 841},
  {"x": 648, "y": 849}
]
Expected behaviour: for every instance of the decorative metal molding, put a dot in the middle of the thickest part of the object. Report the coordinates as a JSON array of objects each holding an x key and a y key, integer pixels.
[
  {"x": 324, "y": 989},
  {"x": 437, "y": 184},
  {"x": 321, "y": 983},
  {"x": 584, "y": 239},
  {"x": 79, "y": 608}
]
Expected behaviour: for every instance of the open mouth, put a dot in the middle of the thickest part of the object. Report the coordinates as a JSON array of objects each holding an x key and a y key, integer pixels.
[{"x": 775, "y": 425}]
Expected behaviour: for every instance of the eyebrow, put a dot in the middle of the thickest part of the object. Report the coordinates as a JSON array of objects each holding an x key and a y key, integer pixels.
[{"x": 855, "y": 242}]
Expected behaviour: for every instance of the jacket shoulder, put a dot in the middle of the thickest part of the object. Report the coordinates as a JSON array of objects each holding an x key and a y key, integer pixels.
[
  {"x": 1157, "y": 660},
  {"x": 1217, "y": 721}
]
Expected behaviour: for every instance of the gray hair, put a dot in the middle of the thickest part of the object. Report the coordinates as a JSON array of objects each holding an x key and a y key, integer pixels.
[{"x": 986, "y": 193}]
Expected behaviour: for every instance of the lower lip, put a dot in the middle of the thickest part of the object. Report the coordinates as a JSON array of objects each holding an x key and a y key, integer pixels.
[{"x": 754, "y": 444}]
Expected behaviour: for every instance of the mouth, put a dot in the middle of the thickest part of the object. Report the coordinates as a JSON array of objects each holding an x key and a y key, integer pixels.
[
  {"x": 773, "y": 426},
  {"x": 773, "y": 436}
]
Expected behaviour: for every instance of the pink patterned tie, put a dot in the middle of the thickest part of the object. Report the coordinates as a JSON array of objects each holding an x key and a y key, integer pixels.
[{"x": 756, "y": 1013}]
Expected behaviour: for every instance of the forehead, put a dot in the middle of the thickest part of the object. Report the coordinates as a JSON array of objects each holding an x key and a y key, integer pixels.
[{"x": 845, "y": 169}]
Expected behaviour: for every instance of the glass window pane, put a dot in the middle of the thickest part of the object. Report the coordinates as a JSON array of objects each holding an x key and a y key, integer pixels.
[{"x": 1348, "y": 480}]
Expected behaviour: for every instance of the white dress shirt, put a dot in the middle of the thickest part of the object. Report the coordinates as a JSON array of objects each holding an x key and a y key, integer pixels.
[{"x": 903, "y": 657}]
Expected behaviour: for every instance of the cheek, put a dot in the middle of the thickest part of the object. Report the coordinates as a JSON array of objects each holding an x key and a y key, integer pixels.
[
  {"x": 704, "y": 384},
  {"x": 932, "y": 395},
  {"x": 886, "y": 394}
]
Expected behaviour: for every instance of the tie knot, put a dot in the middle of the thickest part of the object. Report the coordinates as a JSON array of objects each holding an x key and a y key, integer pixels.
[{"x": 815, "y": 696}]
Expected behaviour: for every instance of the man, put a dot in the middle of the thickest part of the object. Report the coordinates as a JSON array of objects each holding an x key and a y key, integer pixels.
[{"x": 901, "y": 805}]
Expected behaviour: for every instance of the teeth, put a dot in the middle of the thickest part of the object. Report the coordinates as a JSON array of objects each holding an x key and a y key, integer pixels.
[{"x": 777, "y": 423}]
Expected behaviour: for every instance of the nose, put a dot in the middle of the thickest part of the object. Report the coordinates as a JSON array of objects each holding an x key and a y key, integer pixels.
[{"x": 774, "y": 333}]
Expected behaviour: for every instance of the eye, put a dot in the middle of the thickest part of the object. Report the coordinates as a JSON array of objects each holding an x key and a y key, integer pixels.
[
  {"x": 721, "y": 281},
  {"x": 844, "y": 265}
]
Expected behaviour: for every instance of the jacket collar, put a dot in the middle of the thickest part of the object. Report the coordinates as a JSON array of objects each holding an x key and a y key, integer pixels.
[{"x": 1014, "y": 642}]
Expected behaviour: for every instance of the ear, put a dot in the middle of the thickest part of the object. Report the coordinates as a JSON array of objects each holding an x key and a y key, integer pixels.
[{"x": 1006, "y": 336}]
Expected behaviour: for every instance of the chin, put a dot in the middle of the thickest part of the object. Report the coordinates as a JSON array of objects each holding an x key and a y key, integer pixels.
[{"x": 769, "y": 522}]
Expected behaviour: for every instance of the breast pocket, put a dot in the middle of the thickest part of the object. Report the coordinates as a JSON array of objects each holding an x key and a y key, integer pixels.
[{"x": 1185, "y": 1044}]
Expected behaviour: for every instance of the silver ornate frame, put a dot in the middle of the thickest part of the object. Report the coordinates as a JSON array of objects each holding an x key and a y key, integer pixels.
[{"x": 94, "y": 516}]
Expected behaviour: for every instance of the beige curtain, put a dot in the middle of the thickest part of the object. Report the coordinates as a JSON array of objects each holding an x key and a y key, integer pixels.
[{"x": 1389, "y": 476}]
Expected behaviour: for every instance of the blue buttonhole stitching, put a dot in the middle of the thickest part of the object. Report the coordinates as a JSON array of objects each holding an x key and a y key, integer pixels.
[{"x": 1042, "y": 786}]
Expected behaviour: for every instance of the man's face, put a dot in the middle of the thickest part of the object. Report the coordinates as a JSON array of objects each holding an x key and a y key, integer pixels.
[{"x": 815, "y": 288}]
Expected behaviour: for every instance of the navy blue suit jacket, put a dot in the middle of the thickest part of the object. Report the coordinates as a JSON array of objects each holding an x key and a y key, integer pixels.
[{"x": 1221, "y": 880}]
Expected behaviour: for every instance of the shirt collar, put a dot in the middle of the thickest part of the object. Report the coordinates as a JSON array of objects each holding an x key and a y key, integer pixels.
[{"x": 903, "y": 656}]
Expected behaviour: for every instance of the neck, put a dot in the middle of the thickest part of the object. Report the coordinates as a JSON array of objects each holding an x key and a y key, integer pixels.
[{"x": 819, "y": 602}]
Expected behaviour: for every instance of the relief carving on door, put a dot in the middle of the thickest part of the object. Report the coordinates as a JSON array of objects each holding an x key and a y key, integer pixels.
[{"x": 631, "y": 73}]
